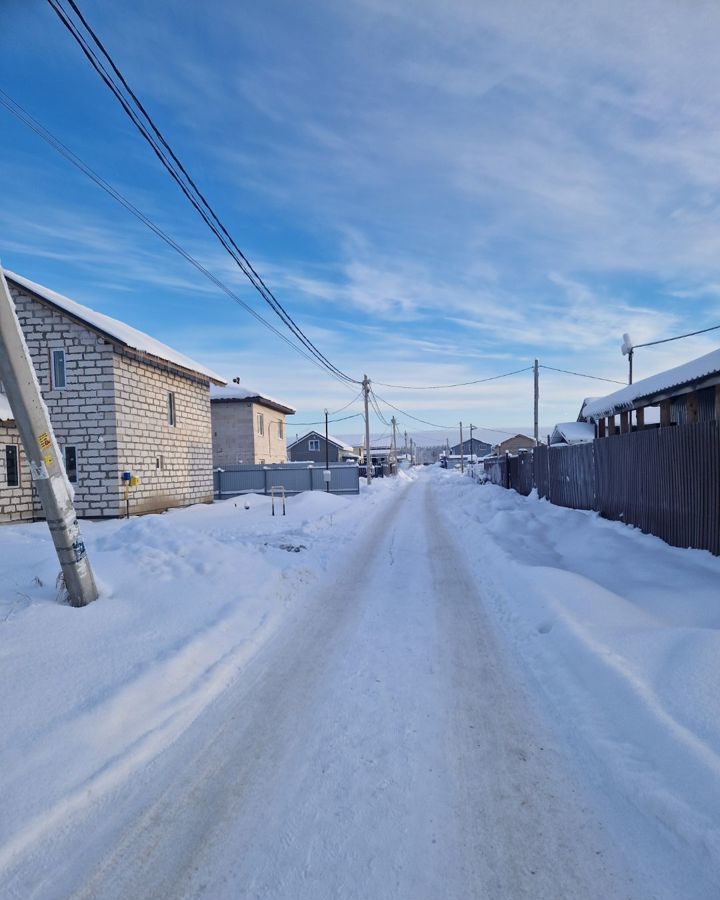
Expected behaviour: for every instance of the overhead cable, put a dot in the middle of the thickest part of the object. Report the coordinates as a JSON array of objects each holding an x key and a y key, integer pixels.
[
  {"x": 582, "y": 374},
  {"x": 440, "y": 387},
  {"x": 23, "y": 116},
  {"x": 144, "y": 123}
]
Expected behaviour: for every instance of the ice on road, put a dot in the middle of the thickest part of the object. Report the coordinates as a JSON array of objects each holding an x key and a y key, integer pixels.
[{"x": 378, "y": 747}]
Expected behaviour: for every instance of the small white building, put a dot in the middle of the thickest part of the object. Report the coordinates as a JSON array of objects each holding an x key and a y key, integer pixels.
[
  {"x": 119, "y": 401},
  {"x": 248, "y": 427}
]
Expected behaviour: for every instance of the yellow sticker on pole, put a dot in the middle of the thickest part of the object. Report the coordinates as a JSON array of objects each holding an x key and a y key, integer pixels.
[
  {"x": 47, "y": 460},
  {"x": 44, "y": 441}
]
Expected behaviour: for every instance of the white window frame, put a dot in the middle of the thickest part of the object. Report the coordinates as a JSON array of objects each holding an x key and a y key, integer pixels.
[
  {"x": 171, "y": 409},
  {"x": 314, "y": 445},
  {"x": 260, "y": 423},
  {"x": 57, "y": 352},
  {"x": 65, "y": 461}
]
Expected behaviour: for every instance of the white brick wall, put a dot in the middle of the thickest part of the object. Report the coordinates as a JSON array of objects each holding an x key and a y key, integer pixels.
[
  {"x": 114, "y": 412},
  {"x": 16, "y": 503},
  {"x": 236, "y": 438}
]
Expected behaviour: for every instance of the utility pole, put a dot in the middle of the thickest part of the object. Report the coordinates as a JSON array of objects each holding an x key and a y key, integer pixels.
[
  {"x": 42, "y": 453},
  {"x": 447, "y": 452},
  {"x": 393, "y": 456},
  {"x": 327, "y": 454},
  {"x": 462, "y": 451},
  {"x": 536, "y": 371},
  {"x": 368, "y": 464}
]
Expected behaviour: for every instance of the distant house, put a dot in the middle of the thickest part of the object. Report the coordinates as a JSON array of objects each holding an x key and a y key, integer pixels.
[
  {"x": 247, "y": 427},
  {"x": 474, "y": 446},
  {"x": 686, "y": 394},
  {"x": 513, "y": 444},
  {"x": 119, "y": 401},
  {"x": 311, "y": 448},
  {"x": 572, "y": 433}
]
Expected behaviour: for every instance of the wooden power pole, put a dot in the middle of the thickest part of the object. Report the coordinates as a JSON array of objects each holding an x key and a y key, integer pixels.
[
  {"x": 43, "y": 454},
  {"x": 366, "y": 394},
  {"x": 536, "y": 393}
]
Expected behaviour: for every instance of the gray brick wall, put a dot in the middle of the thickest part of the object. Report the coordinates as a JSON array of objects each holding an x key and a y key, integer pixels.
[
  {"x": 16, "y": 503},
  {"x": 113, "y": 410},
  {"x": 236, "y": 438}
]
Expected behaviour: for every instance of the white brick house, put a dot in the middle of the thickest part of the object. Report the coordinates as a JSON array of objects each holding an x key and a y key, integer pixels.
[
  {"x": 247, "y": 427},
  {"x": 119, "y": 401}
]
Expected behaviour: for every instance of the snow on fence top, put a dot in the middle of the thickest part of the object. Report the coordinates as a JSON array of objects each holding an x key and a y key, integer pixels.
[
  {"x": 238, "y": 392},
  {"x": 627, "y": 398},
  {"x": 114, "y": 329}
]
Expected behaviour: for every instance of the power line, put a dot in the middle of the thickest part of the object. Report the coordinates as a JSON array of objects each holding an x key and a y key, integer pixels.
[
  {"x": 330, "y": 421},
  {"x": 144, "y": 123},
  {"x": 23, "y": 116},
  {"x": 440, "y": 387},
  {"x": 434, "y": 424},
  {"x": 677, "y": 337},
  {"x": 582, "y": 375}
]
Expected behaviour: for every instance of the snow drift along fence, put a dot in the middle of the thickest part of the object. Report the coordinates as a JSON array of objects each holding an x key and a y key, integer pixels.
[
  {"x": 665, "y": 481},
  {"x": 231, "y": 480}
]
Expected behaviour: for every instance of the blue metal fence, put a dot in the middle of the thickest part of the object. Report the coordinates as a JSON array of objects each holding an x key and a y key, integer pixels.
[{"x": 294, "y": 477}]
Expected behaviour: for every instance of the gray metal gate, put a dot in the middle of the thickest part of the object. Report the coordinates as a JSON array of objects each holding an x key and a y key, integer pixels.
[{"x": 295, "y": 478}]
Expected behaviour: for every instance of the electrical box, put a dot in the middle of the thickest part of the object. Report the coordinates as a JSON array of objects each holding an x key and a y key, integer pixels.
[{"x": 327, "y": 475}]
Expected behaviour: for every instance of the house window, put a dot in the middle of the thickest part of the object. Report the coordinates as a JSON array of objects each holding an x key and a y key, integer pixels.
[
  {"x": 71, "y": 464},
  {"x": 57, "y": 358},
  {"x": 314, "y": 444},
  {"x": 260, "y": 423},
  {"x": 12, "y": 469},
  {"x": 171, "y": 408},
  {"x": 160, "y": 462},
  {"x": 280, "y": 429}
]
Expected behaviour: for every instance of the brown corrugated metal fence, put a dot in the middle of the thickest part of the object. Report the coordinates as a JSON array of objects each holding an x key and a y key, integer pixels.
[{"x": 665, "y": 481}]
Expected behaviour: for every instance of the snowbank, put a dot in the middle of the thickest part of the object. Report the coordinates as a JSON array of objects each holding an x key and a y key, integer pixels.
[
  {"x": 186, "y": 599},
  {"x": 620, "y": 633}
]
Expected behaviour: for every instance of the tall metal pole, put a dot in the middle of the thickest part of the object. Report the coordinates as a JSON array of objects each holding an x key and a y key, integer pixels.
[
  {"x": 536, "y": 371},
  {"x": 462, "y": 455},
  {"x": 42, "y": 453},
  {"x": 471, "y": 446},
  {"x": 394, "y": 445},
  {"x": 368, "y": 464},
  {"x": 327, "y": 452},
  {"x": 630, "y": 360}
]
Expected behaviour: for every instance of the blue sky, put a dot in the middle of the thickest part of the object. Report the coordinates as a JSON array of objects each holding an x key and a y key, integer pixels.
[{"x": 437, "y": 192}]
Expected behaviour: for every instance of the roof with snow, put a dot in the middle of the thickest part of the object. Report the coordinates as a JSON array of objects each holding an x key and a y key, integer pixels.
[
  {"x": 573, "y": 433},
  {"x": 701, "y": 372},
  {"x": 331, "y": 440},
  {"x": 243, "y": 394},
  {"x": 118, "y": 332}
]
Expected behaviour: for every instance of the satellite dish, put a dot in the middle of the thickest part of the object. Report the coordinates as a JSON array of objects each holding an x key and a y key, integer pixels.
[{"x": 627, "y": 345}]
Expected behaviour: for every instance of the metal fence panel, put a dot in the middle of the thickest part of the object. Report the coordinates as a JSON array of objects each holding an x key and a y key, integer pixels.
[
  {"x": 571, "y": 476},
  {"x": 231, "y": 480}
]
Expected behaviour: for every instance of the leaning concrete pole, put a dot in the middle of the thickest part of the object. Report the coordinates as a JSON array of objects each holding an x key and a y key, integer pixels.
[{"x": 41, "y": 449}]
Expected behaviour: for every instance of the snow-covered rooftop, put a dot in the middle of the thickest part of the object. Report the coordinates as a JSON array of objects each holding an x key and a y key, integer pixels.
[
  {"x": 573, "y": 433},
  {"x": 693, "y": 371},
  {"x": 239, "y": 392},
  {"x": 113, "y": 328}
]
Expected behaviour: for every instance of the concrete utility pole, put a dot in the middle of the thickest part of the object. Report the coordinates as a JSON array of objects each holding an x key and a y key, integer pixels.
[
  {"x": 42, "y": 453},
  {"x": 536, "y": 371},
  {"x": 462, "y": 451},
  {"x": 393, "y": 456},
  {"x": 472, "y": 460},
  {"x": 368, "y": 464},
  {"x": 327, "y": 453}
]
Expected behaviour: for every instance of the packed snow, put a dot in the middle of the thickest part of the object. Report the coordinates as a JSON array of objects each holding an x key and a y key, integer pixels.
[{"x": 436, "y": 688}]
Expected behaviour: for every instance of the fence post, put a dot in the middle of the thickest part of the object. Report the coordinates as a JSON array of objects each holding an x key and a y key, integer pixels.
[
  {"x": 310, "y": 475},
  {"x": 265, "y": 488},
  {"x": 507, "y": 470}
]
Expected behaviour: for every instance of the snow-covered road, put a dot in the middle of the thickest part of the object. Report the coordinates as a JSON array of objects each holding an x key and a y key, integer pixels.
[{"x": 382, "y": 743}]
